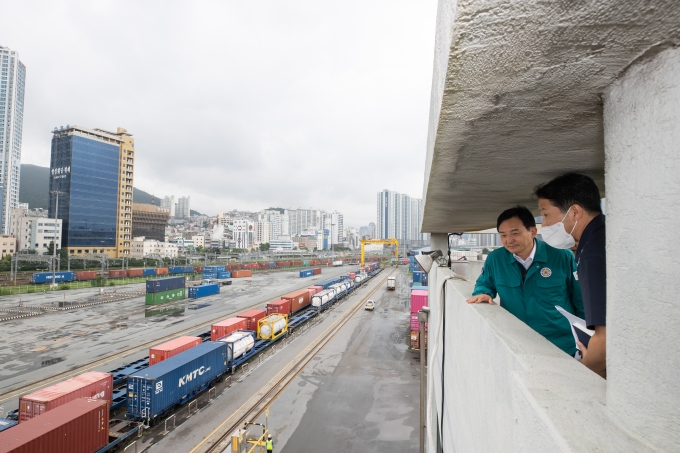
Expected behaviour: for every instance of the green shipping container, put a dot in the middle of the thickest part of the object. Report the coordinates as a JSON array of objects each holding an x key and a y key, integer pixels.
[
  {"x": 165, "y": 296},
  {"x": 305, "y": 263}
]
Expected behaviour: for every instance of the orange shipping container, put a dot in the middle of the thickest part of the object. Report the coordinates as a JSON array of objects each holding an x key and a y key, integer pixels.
[
  {"x": 226, "y": 327},
  {"x": 173, "y": 347},
  {"x": 135, "y": 272},
  {"x": 161, "y": 271},
  {"x": 298, "y": 299},
  {"x": 240, "y": 274}
]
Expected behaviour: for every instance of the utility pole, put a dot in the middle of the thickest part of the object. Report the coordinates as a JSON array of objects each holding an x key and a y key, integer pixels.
[
  {"x": 423, "y": 314},
  {"x": 54, "y": 242}
]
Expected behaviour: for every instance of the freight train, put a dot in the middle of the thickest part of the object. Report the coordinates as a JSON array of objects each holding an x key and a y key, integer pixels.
[{"x": 172, "y": 374}]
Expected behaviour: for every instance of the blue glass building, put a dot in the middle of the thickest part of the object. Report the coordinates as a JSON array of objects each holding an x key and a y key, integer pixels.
[{"x": 84, "y": 167}]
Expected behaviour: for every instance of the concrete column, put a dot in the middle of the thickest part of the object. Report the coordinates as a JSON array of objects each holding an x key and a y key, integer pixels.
[
  {"x": 642, "y": 180},
  {"x": 439, "y": 241}
]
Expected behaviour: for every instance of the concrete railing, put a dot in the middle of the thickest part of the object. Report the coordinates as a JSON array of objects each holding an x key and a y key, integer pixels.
[{"x": 505, "y": 387}]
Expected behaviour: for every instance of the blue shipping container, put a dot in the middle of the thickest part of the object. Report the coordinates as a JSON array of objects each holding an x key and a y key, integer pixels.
[
  {"x": 175, "y": 270},
  {"x": 188, "y": 269},
  {"x": 149, "y": 272},
  {"x": 164, "y": 284},
  {"x": 306, "y": 273},
  {"x": 224, "y": 275},
  {"x": 209, "y": 275},
  {"x": 214, "y": 268},
  {"x": 418, "y": 276},
  {"x": 203, "y": 290},
  {"x": 328, "y": 283},
  {"x": 6, "y": 424},
  {"x": 272, "y": 265},
  {"x": 159, "y": 387},
  {"x": 46, "y": 277}
]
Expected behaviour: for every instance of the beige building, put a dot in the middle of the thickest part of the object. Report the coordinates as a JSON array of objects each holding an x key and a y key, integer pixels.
[
  {"x": 33, "y": 232},
  {"x": 9, "y": 245},
  {"x": 199, "y": 241}
]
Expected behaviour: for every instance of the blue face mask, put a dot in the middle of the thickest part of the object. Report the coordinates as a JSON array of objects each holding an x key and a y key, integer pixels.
[{"x": 556, "y": 235}]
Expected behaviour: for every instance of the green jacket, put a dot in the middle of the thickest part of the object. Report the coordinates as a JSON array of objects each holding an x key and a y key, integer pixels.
[{"x": 549, "y": 281}]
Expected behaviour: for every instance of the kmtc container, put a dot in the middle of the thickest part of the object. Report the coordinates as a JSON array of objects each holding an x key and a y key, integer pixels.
[
  {"x": 171, "y": 348},
  {"x": 306, "y": 273},
  {"x": 196, "y": 292},
  {"x": 46, "y": 277},
  {"x": 79, "y": 426},
  {"x": 224, "y": 274},
  {"x": 165, "y": 296},
  {"x": 156, "y": 389},
  {"x": 135, "y": 272},
  {"x": 240, "y": 274},
  {"x": 93, "y": 384},
  {"x": 418, "y": 300},
  {"x": 279, "y": 306},
  {"x": 316, "y": 270},
  {"x": 149, "y": 272},
  {"x": 165, "y": 284},
  {"x": 251, "y": 317},
  {"x": 223, "y": 328},
  {"x": 298, "y": 300}
]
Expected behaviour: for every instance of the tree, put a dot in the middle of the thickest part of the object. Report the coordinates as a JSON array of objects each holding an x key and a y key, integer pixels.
[
  {"x": 264, "y": 247},
  {"x": 50, "y": 248},
  {"x": 486, "y": 251}
]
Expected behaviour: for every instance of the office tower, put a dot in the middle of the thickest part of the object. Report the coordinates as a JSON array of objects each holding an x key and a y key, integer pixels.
[
  {"x": 93, "y": 171},
  {"x": 149, "y": 221},
  {"x": 12, "y": 82},
  {"x": 243, "y": 233}
]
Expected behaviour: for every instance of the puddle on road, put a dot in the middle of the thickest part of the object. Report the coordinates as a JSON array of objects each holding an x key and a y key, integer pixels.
[
  {"x": 164, "y": 311},
  {"x": 52, "y": 361}
]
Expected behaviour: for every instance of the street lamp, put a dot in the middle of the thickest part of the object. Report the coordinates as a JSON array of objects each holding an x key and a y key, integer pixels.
[{"x": 54, "y": 242}]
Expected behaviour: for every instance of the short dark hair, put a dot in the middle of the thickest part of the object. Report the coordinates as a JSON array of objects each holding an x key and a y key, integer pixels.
[
  {"x": 521, "y": 212},
  {"x": 570, "y": 189}
]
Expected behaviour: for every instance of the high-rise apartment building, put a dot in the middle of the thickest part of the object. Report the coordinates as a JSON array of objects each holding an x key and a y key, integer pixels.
[
  {"x": 399, "y": 216},
  {"x": 12, "y": 82},
  {"x": 169, "y": 203},
  {"x": 262, "y": 232},
  {"x": 93, "y": 171},
  {"x": 243, "y": 233},
  {"x": 333, "y": 222},
  {"x": 300, "y": 220},
  {"x": 279, "y": 222},
  {"x": 183, "y": 208}
]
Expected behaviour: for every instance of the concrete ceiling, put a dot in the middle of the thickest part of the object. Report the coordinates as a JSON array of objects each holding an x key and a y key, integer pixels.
[{"x": 516, "y": 97}]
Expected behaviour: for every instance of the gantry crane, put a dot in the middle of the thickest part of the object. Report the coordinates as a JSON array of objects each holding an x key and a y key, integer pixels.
[{"x": 390, "y": 241}]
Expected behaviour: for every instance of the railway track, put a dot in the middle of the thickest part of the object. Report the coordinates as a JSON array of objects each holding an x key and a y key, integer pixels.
[
  {"x": 38, "y": 384},
  {"x": 220, "y": 438}
]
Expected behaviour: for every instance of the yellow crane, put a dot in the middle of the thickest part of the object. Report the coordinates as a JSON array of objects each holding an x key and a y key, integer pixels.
[{"x": 390, "y": 241}]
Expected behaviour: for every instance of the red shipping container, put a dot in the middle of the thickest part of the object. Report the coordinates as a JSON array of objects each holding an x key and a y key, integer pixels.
[
  {"x": 226, "y": 327},
  {"x": 173, "y": 347},
  {"x": 316, "y": 271},
  {"x": 85, "y": 275},
  {"x": 79, "y": 426},
  {"x": 298, "y": 299},
  {"x": 232, "y": 267},
  {"x": 198, "y": 269},
  {"x": 279, "y": 306},
  {"x": 117, "y": 273},
  {"x": 313, "y": 290},
  {"x": 264, "y": 265},
  {"x": 352, "y": 275},
  {"x": 418, "y": 300},
  {"x": 251, "y": 317},
  {"x": 135, "y": 272},
  {"x": 318, "y": 288},
  {"x": 415, "y": 324},
  {"x": 296, "y": 263},
  {"x": 241, "y": 274},
  {"x": 93, "y": 384},
  {"x": 161, "y": 271}
]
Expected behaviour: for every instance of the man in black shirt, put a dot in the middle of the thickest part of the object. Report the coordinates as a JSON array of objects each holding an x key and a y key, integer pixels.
[{"x": 570, "y": 206}]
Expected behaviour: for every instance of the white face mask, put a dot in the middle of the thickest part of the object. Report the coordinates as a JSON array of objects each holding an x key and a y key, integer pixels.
[{"x": 556, "y": 236}]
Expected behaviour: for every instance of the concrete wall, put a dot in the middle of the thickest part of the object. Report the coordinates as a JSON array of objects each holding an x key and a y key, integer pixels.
[
  {"x": 642, "y": 175},
  {"x": 506, "y": 388}
]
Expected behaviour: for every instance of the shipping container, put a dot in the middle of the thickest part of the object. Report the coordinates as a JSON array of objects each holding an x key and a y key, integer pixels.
[
  {"x": 314, "y": 262},
  {"x": 171, "y": 348},
  {"x": 263, "y": 265},
  {"x": 240, "y": 274},
  {"x": 46, "y": 277},
  {"x": 93, "y": 384},
  {"x": 79, "y": 426},
  {"x": 251, "y": 317},
  {"x": 272, "y": 265},
  {"x": 328, "y": 283},
  {"x": 154, "y": 390},
  {"x": 417, "y": 276},
  {"x": 305, "y": 262},
  {"x": 165, "y": 296},
  {"x": 415, "y": 324},
  {"x": 7, "y": 424},
  {"x": 135, "y": 272},
  {"x": 272, "y": 326},
  {"x": 298, "y": 300},
  {"x": 306, "y": 273},
  {"x": 418, "y": 300},
  {"x": 149, "y": 272},
  {"x": 175, "y": 270},
  {"x": 161, "y": 271},
  {"x": 188, "y": 269},
  {"x": 85, "y": 275},
  {"x": 279, "y": 306},
  {"x": 415, "y": 340},
  {"x": 198, "y": 269},
  {"x": 238, "y": 343},
  {"x": 314, "y": 289},
  {"x": 165, "y": 284},
  {"x": 117, "y": 273},
  {"x": 225, "y": 274},
  {"x": 214, "y": 268},
  {"x": 203, "y": 290},
  {"x": 231, "y": 267},
  {"x": 222, "y": 328},
  {"x": 316, "y": 271}
]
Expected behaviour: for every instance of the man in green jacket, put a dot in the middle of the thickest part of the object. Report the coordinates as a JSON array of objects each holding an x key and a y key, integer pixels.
[{"x": 531, "y": 278}]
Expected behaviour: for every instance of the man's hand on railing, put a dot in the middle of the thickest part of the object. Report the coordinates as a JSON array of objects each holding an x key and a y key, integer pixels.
[{"x": 481, "y": 299}]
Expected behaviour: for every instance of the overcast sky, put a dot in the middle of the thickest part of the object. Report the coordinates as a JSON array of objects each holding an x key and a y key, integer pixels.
[{"x": 241, "y": 105}]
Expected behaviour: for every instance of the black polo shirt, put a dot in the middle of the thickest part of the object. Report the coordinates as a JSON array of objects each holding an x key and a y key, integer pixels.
[{"x": 592, "y": 272}]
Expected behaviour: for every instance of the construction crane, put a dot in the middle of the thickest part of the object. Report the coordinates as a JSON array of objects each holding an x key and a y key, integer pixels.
[{"x": 390, "y": 241}]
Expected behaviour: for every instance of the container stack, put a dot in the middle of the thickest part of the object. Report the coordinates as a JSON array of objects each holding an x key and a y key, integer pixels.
[
  {"x": 419, "y": 279},
  {"x": 196, "y": 292},
  {"x": 418, "y": 301},
  {"x": 210, "y": 272},
  {"x": 164, "y": 290}
]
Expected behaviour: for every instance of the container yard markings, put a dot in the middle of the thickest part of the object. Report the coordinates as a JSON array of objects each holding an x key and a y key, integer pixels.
[{"x": 278, "y": 384}]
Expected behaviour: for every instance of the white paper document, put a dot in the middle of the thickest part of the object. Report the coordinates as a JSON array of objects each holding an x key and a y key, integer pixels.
[{"x": 578, "y": 327}]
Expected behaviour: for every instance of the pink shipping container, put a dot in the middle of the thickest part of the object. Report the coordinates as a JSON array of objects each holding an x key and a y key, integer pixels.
[
  {"x": 312, "y": 290},
  {"x": 79, "y": 426},
  {"x": 279, "y": 306},
  {"x": 93, "y": 384},
  {"x": 173, "y": 347},
  {"x": 226, "y": 327},
  {"x": 251, "y": 317},
  {"x": 318, "y": 288},
  {"x": 415, "y": 325},
  {"x": 418, "y": 300},
  {"x": 352, "y": 275}
]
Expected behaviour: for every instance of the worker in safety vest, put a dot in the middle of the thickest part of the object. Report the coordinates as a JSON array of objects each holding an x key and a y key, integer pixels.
[{"x": 270, "y": 443}]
